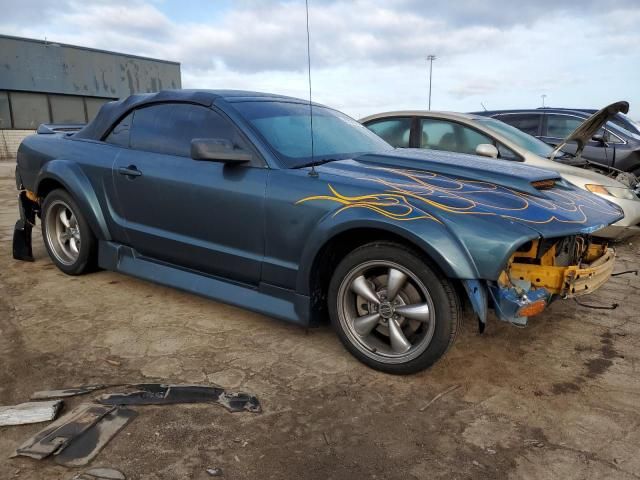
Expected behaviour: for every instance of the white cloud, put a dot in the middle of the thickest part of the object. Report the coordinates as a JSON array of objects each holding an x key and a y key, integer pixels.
[{"x": 370, "y": 55}]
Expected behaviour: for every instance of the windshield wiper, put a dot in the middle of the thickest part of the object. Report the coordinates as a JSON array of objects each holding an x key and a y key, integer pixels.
[{"x": 315, "y": 163}]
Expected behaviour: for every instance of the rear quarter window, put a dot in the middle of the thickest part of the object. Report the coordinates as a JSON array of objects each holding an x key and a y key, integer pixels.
[
  {"x": 121, "y": 132},
  {"x": 395, "y": 131}
]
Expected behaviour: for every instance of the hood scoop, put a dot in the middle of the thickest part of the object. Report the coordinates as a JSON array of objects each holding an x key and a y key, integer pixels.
[{"x": 544, "y": 184}]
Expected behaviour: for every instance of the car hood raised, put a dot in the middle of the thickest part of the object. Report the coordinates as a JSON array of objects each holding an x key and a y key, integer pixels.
[
  {"x": 587, "y": 129},
  {"x": 411, "y": 184}
]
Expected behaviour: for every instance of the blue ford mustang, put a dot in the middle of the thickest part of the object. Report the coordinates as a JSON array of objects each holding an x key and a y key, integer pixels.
[{"x": 229, "y": 195}]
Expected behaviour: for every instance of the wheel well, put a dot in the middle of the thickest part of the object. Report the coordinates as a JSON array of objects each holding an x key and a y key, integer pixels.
[
  {"x": 48, "y": 185},
  {"x": 332, "y": 253}
]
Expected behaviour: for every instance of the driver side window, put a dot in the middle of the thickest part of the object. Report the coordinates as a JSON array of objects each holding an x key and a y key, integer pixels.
[
  {"x": 451, "y": 137},
  {"x": 438, "y": 135},
  {"x": 168, "y": 128},
  {"x": 471, "y": 139}
]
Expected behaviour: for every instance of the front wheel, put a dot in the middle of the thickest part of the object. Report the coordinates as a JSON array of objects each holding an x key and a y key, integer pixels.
[
  {"x": 67, "y": 235},
  {"x": 391, "y": 309}
]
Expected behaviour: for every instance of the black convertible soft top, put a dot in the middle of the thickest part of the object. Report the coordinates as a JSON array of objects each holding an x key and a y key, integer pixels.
[{"x": 111, "y": 112}]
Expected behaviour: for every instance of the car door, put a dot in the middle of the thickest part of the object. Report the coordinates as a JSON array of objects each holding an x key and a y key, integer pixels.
[{"x": 201, "y": 215}]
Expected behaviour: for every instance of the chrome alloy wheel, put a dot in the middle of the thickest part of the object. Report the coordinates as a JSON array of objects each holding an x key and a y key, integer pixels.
[
  {"x": 386, "y": 311},
  {"x": 63, "y": 232}
]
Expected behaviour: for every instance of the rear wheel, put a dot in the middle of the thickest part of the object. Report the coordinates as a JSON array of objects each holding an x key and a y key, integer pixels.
[
  {"x": 391, "y": 309},
  {"x": 66, "y": 234}
]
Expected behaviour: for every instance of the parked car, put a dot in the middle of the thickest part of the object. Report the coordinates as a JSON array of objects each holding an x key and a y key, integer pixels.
[
  {"x": 223, "y": 194},
  {"x": 613, "y": 145},
  {"x": 473, "y": 134}
]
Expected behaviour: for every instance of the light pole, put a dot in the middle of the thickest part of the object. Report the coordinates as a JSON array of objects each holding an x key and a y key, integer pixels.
[
  {"x": 430, "y": 59},
  {"x": 543, "y": 97}
]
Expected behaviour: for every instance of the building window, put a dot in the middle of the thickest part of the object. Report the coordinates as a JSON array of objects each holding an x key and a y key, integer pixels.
[
  {"x": 29, "y": 110},
  {"x": 93, "y": 105},
  {"x": 67, "y": 109},
  {"x": 5, "y": 111}
]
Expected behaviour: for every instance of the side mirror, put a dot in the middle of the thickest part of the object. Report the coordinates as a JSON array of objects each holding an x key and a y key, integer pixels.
[
  {"x": 487, "y": 150},
  {"x": 600, "y": 138},
  {"x": 218, "y": 150}
]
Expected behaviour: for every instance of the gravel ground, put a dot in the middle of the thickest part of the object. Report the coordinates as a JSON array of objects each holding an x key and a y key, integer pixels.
[{"x": 558, "y": 399}]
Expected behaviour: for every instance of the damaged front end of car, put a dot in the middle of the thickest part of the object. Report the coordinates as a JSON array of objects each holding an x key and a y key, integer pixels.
[{"x": 539, "y": 272}]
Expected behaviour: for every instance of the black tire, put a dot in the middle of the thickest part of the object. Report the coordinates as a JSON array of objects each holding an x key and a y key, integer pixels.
[
  {"x": 86, "y": 253},
  {"x": 426, "y": 280}
]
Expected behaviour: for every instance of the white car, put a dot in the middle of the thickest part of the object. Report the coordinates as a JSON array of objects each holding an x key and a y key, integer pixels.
[{"x": 488, "y": 137}]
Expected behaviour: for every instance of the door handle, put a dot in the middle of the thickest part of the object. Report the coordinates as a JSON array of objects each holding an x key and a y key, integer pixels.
[{"x": 130, "y": 171}]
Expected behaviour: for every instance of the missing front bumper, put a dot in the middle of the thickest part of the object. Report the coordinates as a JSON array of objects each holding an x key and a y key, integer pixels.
[
  {"x": 535, "y": 275},
  {"x": 569, "y": 281}
]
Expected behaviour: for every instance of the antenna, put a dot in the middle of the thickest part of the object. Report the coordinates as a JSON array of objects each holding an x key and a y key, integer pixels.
[
  {"x": 430, "y": 59},
  {"x": 313, "y": 172},
  {"x": 485, "y": 108}
]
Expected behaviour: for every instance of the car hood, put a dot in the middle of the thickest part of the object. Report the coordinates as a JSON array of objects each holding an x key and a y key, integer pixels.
[
  {"x": 412, "y": 184},
  {"x": 587, "y": 129}
]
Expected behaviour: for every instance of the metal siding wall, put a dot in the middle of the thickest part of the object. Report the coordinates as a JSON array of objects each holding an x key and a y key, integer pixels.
[
  {"x": 32, "y": 65},
  {"x": 5, "y": 111},
  {"x": 9, "y": 143}
]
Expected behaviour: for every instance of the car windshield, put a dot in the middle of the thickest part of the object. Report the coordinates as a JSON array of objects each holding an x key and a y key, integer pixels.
[
  {"x": 286, "y": 127},
  {"x": 523, "y": 140}
]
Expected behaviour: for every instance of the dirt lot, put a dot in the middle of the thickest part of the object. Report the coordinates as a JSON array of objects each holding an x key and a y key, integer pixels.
[{"x": 558, "y": 399}]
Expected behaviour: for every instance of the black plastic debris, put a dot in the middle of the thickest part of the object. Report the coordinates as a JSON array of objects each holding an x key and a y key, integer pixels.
[
  {"x": 160, "y": 394},
  {"x": 30, "y": 412},
  {"x": 87, "y": 445},
  {"x": 60, "y": 433},
  {"x": 22, "y": 242}
]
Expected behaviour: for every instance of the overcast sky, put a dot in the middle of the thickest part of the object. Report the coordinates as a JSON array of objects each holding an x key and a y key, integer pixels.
[{"x": 370, "y": 56}]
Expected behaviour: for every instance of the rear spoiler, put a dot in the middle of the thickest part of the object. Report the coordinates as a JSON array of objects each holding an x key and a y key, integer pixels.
[{"x": 49, "y": 128}]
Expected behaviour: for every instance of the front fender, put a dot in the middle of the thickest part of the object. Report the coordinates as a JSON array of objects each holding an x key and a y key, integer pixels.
[
  {"x": 433, "y": 238},
  {"x": 74, "y": 180}
]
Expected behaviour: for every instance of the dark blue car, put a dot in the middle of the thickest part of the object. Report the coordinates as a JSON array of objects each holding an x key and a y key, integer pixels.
[
  {"x": 228, "y": 195},
  {"x": 616, "y": 144}
]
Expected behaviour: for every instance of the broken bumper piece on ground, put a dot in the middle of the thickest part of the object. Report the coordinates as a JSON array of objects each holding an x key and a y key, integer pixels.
[
  {"x": 79, "y": 425},
  {"x": 158, "y": 394},
  {"x": 87, "y": 445},
  {"x": 30, "y": 412}
]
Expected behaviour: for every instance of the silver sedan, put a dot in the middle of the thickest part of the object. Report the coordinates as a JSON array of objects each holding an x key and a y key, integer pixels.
[{"x": 476, "y": 135}]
